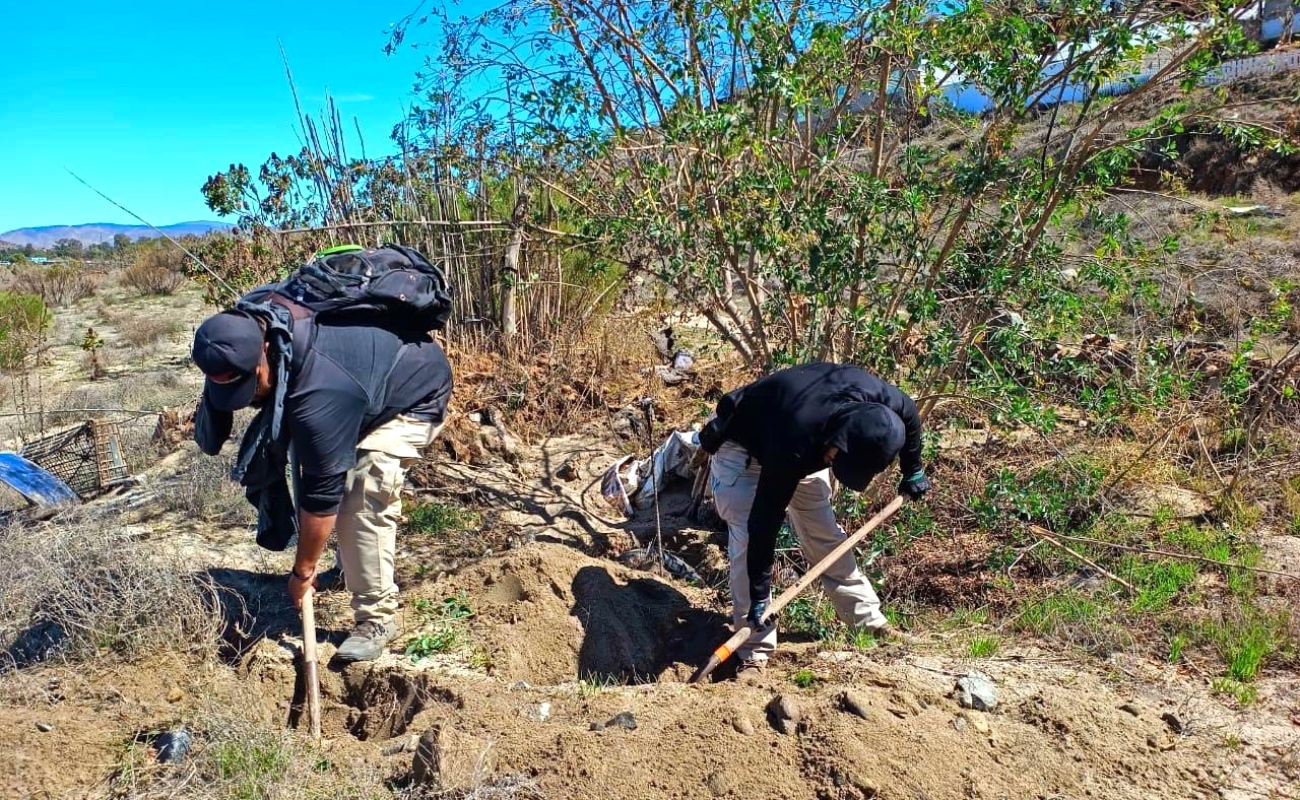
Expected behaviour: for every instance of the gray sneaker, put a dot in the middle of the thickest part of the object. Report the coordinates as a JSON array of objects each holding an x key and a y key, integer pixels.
[{"x": 366, "y": 642}]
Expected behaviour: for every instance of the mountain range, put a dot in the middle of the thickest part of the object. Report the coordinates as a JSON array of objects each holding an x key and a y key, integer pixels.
[{"x": 45, "y": 236}]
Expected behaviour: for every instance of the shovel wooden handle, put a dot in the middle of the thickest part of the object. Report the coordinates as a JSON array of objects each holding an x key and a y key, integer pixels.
[
  {"x": 741, "y": 636},
  {"x": 310, "y": 676}
]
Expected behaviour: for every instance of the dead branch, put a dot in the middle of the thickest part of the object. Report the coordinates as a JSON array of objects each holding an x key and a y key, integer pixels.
[
  {"x": 1051, "y": 538},
  {"x": 1148, "y": 551}
]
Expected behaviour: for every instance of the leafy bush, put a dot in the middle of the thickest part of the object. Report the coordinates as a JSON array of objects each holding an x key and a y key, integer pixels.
[
  {"x": 434, "y": 518},
  {"x": 23, "y": 318},
  {"x": 156, "y": 271},
  {"x": 1061, "y": 498}
]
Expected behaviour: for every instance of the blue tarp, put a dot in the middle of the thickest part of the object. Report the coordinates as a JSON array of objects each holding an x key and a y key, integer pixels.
[{"x": 34, "y": 483}]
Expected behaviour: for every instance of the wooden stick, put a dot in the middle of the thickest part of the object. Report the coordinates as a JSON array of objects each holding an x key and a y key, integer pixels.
[
  {"x": 309, "y": 673},
  {"x": 1180, "y": 556},
  {"x": 1051, "y": 538},
  {"x": 742, "y": 636},
  {"x": 422, "y": 223}
]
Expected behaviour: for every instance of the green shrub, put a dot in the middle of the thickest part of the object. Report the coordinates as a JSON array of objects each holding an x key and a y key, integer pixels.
[
  {"x": 23, "y": 319},
  {"x": 443, "y": 627},
  {"x": 432, "y": 519},
  {"x": 1061, "y": 498},
  {"x": 805, "y": 679},
  {"x": 811, "y": 616}
]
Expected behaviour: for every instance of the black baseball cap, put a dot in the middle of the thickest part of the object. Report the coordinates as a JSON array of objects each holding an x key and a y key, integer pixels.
[
  {"x": 869, "y": 437},
  {"x": 228, "y": 348}
]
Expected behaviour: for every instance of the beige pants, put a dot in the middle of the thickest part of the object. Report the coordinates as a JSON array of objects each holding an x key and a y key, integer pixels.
[
  {"x": 369, "y": 513},
  {"x": 734, "y": 482}
]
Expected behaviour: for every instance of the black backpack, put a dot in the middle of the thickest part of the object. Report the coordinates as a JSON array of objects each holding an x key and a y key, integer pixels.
[{"x": 393, "y": 286}]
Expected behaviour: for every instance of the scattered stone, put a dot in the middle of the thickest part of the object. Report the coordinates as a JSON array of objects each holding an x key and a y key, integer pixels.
[
  {"x": 856, "y": 703},
  {"x": 976, "y": 690},
  {"x": 175, "y": 695},
  {"x": 866, "y": 786},
  {"x": 1130, "y": 709},
  {"x": 44, "y": 727},
  {"x": 622, "y": 719},
  {"x": 596, "y": 726},
  {"x": 172, "y": 746},
  {"x": 517, "y": 685},
  {"x": 540, "y": 712},
  {"x": 742, "y": 725},
  {"x": 843, "y": 778},
  {"x": 568, "y": 471},
  {"x": 1164, "y": 743},
  {"x": 784, "y": 713},
  {"x": 452, "y": 760},
  {"x": 718, "y": 783},
  {"x": 959, "y": 723},
  {"x": 1172, "y": 720},
  {"x": 978, "y": 722}
]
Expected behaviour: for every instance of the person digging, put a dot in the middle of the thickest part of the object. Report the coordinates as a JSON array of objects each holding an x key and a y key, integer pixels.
[
  {"x": 773, "y": 446},
  {"x": 352, "y": 406}
]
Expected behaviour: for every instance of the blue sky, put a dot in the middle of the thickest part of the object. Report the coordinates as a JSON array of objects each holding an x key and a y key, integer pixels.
[{"x": 145, "y": 100}]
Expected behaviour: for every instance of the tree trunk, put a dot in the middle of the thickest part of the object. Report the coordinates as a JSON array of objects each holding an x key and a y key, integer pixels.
[
  {"x": 510, "y": 275},
  {"x": 509, "y": 278}
]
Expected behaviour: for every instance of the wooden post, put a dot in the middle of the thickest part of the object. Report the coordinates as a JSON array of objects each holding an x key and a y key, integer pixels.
[
  {"x": 311, "y": 678},
  {"x": 510, "y": 274}
]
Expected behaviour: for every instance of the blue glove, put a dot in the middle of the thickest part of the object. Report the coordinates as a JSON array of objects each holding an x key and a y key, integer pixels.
[
  {"x": 756, "y": 613},
  {"x": 914, "y": 486}
]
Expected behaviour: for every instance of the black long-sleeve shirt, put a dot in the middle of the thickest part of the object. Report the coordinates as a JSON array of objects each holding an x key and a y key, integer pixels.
[
  {"x": 346, "y": 380},
  {"x": 787, "y": 421}
]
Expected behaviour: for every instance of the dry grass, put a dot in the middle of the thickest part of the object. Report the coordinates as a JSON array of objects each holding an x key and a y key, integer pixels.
[
  {"x": 57, "y": 285},
  {"x": 158, "y": 271},
  {"x": 85, "y": 588},
  {"x": 144, "y": 331},
  {"x": 202, "y": 489},
  {"x": 239, "y": 755}
]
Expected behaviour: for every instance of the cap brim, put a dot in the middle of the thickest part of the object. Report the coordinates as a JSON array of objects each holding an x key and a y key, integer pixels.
[{"x": 231, "y": 396}]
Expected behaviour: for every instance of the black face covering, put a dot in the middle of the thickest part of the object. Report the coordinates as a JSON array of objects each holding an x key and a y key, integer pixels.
[{"x": 869, "y": 437}]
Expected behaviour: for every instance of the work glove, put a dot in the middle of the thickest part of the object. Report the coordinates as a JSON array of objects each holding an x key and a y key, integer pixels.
[
  {"x": 756, "y": 612},
  {"x": 914, "y": 486}
]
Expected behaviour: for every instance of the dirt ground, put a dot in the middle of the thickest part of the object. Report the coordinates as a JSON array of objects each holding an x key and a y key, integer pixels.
[
  {"x": 574, "y": 675},
  {"x": 573, "y": 638}
]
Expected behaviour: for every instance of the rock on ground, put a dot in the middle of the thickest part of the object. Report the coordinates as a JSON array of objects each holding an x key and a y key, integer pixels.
[
  {"x": 452, "y": 760},
  {"x": 784, "y": 714},
  {"x": 976, "y": 690}
]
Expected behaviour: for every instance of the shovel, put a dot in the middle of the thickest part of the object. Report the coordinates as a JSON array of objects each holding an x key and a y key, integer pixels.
[
  {"x": 311, "y": 677},
  {"x": 743, "y": 635}
]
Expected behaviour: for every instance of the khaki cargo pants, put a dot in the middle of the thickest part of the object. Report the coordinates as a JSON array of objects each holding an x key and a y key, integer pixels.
[
  {"x": 734, "y": 482},
  {"x": 370, "y": 511}
]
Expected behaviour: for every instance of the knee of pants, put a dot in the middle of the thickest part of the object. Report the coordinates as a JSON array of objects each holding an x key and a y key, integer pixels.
[{"x": 374, "y": 486}]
